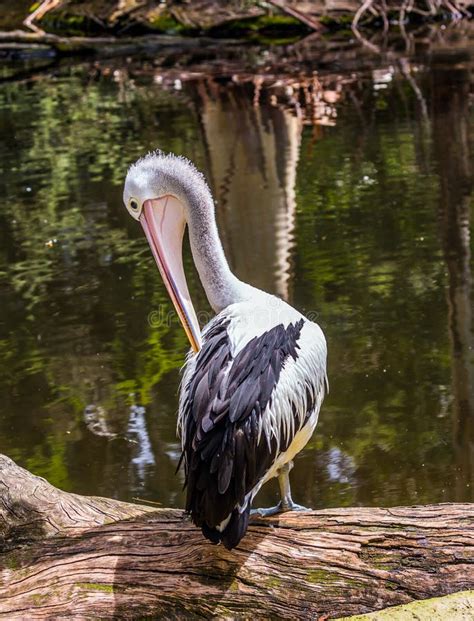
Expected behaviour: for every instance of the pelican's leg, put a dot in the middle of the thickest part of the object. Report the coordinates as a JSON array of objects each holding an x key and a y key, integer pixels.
[{"x": 286, "y": 503}]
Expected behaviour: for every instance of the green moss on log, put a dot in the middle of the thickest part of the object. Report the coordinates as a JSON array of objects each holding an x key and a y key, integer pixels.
[
  {"x": 96, "y": 586},
  {"x": 38, "y": 599},
  {"x": 273, "y": 28},
  {"x": 320, "y": 576},
  {"x": 166, "y": 23},
  {"x": 273, "y": 583}
]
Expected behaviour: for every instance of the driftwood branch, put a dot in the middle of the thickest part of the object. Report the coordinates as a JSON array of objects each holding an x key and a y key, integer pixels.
[
  {"x": 455, "y": 9},
  {"x": 302, "y": 16},
  {"x": 66, "y": 555},
  {"x": 39, "y": 13}
]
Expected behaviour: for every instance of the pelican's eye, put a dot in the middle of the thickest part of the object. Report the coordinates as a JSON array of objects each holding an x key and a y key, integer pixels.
[{"x": 133, "y": 204}]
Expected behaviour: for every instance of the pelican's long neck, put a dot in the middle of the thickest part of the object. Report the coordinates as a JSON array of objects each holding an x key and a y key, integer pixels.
[{"x": 222, "y": 287}]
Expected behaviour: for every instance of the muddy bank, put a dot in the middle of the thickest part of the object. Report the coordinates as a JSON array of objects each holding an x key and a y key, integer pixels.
[{"x": 134, "y": 17}]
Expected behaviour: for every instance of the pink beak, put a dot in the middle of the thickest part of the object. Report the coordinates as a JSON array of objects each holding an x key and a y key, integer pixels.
[{"x": 163, "y": 221}]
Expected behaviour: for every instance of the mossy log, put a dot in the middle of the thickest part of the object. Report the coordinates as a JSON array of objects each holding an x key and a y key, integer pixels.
[
  {"x": 70, "y": 556},
  {"x": 103, "y": 46},
  {"x": 454, "y": 607}
]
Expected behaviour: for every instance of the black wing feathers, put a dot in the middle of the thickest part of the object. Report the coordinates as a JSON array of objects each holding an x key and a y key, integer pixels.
[{"x": 226, "y": 397}]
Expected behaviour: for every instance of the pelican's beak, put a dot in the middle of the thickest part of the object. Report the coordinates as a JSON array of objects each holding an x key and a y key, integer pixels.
[{"x": 163, "y": 222}]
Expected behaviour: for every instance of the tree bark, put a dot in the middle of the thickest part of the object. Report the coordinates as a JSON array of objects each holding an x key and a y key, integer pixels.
[{"x": 69, "y": 556}]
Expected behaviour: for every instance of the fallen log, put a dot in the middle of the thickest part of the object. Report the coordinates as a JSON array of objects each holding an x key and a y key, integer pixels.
[
  {"x": 70, "y": 556},
  {"x": 103, "y": 46},
  {"x": 455, "y": 607}
]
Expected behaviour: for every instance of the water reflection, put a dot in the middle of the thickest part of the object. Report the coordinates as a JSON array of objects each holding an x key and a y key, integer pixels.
[
  {"x": 328, "y": 194},
  {"x": 252, "y": 156},
  {"x": 138, "y": 432},
  {"x": 451, "y": 138}
]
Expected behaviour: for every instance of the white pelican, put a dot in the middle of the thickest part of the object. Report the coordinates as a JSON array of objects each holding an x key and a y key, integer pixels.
[{"x": 255, "y": 378}]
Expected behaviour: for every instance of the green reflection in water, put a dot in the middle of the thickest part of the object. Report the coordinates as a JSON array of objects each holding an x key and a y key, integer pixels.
[{"x": 349, "y": 226}]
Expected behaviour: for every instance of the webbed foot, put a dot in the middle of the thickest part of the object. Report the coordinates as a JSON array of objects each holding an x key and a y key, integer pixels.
[
  {"x": 293, "y": 506},
  {"x": 281, "y": 507},
  {"x": 268, "y": 511},
  {"x": 286, "y": 503}
]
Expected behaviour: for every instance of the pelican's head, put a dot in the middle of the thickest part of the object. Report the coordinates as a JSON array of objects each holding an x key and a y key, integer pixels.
[{"x": 156, "y": 193}]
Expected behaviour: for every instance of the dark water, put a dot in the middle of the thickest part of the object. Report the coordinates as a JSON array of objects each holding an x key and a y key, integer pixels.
[{"x": 360, "y": 215}]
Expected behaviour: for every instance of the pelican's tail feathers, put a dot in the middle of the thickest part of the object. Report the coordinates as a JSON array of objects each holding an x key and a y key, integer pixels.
[
  {"x": 236, "y": 528},
  {"x": 233, "y": 532},
  {"x": 212, "y": 534}
]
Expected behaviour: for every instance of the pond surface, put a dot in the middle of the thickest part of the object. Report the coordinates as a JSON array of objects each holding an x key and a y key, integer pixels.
[{"x": 357, "y": 212}]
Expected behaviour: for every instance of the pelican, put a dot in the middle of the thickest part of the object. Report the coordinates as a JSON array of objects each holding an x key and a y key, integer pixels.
[{"x": 255, "y": 377}]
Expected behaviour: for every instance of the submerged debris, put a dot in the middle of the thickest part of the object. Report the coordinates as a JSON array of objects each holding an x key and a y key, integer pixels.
[{"x": 95, "y": 417}]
